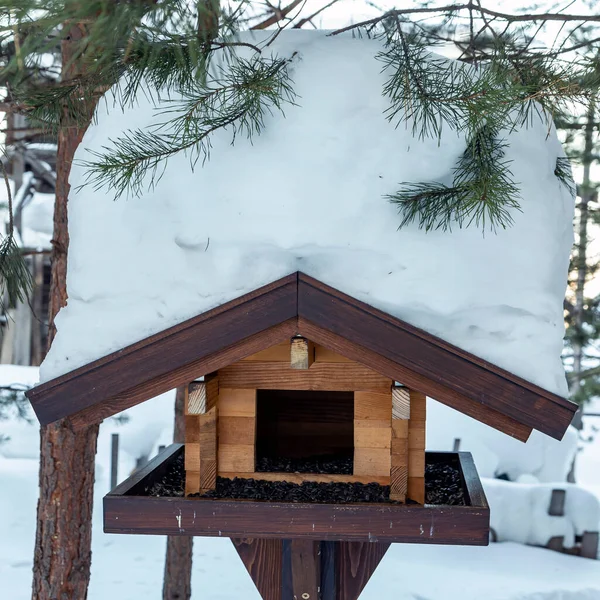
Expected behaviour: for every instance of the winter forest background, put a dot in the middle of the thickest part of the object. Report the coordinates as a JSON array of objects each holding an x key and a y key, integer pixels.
[{"x": 519, "y": 480}]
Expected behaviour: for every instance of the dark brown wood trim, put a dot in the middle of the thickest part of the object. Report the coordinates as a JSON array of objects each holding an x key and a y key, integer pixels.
[
  {"x": 162, "y": 361},
  {"x": 263, "y": 561},
  {"x": 292, "y": 305},
  {"x": 437, "y": 364},
  {"x": 127, "y": 513},
  {"x": 472, "y": 484}
]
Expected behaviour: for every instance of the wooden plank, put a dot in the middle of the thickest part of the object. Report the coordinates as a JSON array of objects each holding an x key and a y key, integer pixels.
[
  {"x": 416, "y": 464},
  {"x": 418, "y": 406},
  {"x": 171, "y": 358},
  {"x": 237, "y": 402},
  {"x": 356, "y": 562},
  {"x": 426, "y": 363},
  {"x": 235, "y": 458},
  {"x": 321, "y": 376},
  {"x": 400, "y": 403},
  {"x": 372, "y": 461},
  {"x": 192, "y": 429},
  {"x": 211, "y": 382},
  {"x": 278, "y": 353},
  {"x": 316, "y": 477},
  {"x": 400, "y": 429},
  {"x": 473, "y": 488},
  {"x": 192, "y": 482},
  {"x": 416, "y": 437},
  {"x": 304, "y": 570},
  {"x": 195, "y": 399},
  {"x": 323, "y": 354},
  {"x": 192, "y": 457},
  {"x": 373, "y": 405},
  {"x": 361, "y": 522},
  {"x": 368, "y": 436},
  {"x": 262, "y": 559},
  {"x": 416, "y": 489},
  {"x": 398, "y": 482},
  {"x": 237, "y": 430},
  {"x": 302, "y": 353},
  {"x": 208, "y": 450}
]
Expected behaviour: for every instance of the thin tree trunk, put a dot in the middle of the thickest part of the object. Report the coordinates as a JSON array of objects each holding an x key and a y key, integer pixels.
[
  {"x": 177, "y": 583},
  {"x": 61, "y": 569},
  {"x": 581, "y": 264}
]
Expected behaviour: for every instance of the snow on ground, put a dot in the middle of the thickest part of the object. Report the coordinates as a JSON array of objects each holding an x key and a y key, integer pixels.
[{"x": 198, "y": 239}]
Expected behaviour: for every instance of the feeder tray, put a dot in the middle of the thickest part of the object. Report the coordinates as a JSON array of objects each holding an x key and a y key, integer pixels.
[{"x": 129, "y": 509}]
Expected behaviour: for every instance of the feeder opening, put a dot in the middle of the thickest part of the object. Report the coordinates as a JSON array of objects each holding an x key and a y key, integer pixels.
[{"x": 305, "y": 431}]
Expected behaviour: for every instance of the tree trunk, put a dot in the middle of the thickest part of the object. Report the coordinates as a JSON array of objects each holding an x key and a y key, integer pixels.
[
  {"x": 61, "y": 569},
  {"x": 177, "y": 583},
  {"x": 586, "y": 196}
]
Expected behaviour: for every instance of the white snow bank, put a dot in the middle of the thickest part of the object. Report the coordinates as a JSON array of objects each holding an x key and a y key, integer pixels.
[
  {"x": 37, "y": 221},
  {"x": 519, "y": 512},
  {"x": 308, "y": 195},
  {"x": 542, "y": 458}
]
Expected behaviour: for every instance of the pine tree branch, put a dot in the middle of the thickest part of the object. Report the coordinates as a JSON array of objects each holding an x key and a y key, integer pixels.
[{"x": 455, "y": 8}]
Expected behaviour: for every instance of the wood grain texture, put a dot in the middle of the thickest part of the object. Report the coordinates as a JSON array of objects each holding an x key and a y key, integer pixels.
[
  {"x": 195, "y": 400},
  {"x": 426, "y": 363},
  {"x": 305, "y": 570},
  {"x": 237, "y": 430},
  {"x": 372, "y": 461},
  {"x": 302, "y": 353},
  {"x": 127, "y": 512},
  {"x": 237, "y": 403},
  {"x": 235, "y": 457},
  {"x": 316, "y": 477},
  {"x": 366, "y": 436},
  {"x": 373, "y": 405},
  {"x": 400, "y": 403},
  {"x": 398, "y": 482},
  {"x": 416, "y": 489},
  {"x": 208, "y": 449},
  {"x": 321, "y": 376},
  {"x": 356, "y": 562},
  {"x": 278, "y": 353},
  {"x": 173, "y": 357},
  {"x": 263, "y": 561}
]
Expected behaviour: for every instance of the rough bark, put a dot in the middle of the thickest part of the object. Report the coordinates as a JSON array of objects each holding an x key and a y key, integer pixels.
[
  {"x": 177, "y": 583},
  {"x": 62, "y": 558}
]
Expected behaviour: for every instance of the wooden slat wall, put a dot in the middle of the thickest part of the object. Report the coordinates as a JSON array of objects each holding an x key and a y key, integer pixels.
[
  {"x": 416, "y": 447},
  {"x": 372, "y": 433},
  {"x": 237, "y": 430}
]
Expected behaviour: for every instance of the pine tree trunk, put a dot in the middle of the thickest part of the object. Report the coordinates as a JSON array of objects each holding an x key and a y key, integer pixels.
[
  {"x": 177, "y": 583},
  {"x": 61, "y": 569}
]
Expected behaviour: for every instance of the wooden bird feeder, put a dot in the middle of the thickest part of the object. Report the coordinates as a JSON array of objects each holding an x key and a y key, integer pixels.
[{"x": 305, "y": 434}]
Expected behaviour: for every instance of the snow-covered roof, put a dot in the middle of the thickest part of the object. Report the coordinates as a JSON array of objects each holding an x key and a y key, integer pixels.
[{"x": 308, "y": 195}]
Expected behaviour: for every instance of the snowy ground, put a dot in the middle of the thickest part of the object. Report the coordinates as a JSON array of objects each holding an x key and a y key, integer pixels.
[{"x": 130, "y": 567}]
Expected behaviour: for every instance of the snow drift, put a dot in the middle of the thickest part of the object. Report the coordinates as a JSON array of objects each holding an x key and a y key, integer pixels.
[{"x": 308, "y": 195}]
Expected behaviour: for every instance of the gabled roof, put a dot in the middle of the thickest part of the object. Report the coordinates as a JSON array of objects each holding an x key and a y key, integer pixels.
[{"x": 299, "y": 304}]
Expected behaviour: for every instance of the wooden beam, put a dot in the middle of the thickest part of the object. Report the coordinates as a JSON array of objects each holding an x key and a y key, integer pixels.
[
  {"x": 263, "y": 561},
  {"x": 321, "y": 376},
  {"x": 302, "y": 574},
  {"x": 302, "y": 353},
  {"x": 195, "y": 400}
]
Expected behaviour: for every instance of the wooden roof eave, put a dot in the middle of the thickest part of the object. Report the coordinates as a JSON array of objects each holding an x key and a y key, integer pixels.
[{"x": 298, "y": 304}]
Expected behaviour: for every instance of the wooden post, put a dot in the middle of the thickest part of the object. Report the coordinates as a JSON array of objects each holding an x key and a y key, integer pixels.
[
  {"x": 114, "y": 460},
  {"x": 301, "y": 569},
  {"x": 302, "y": 353},
  {"x": 400, "y": 420}
]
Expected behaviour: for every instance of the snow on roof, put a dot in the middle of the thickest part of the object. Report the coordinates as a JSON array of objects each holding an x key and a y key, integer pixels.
[{"x": 308, "y": 195}]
